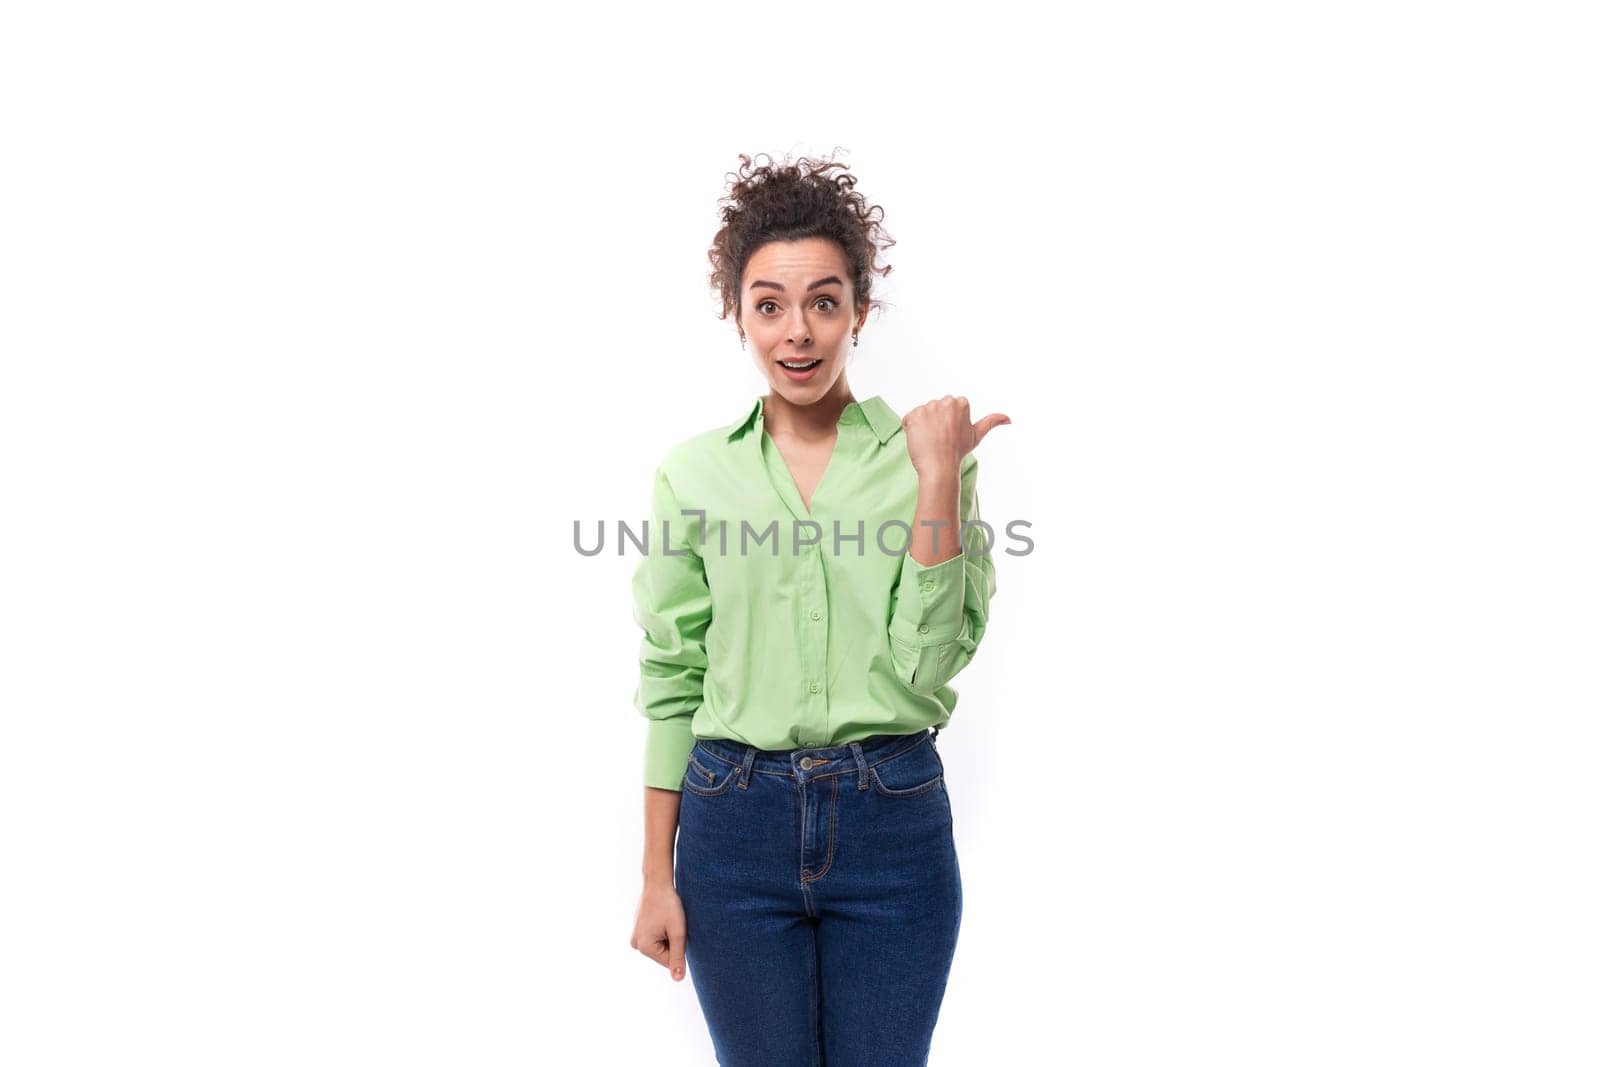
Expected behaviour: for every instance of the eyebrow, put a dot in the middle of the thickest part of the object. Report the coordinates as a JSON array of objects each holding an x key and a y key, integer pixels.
[{"x": 819, "y": 282}]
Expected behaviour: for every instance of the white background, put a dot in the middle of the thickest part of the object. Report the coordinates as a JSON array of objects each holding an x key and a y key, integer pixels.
[{"x": 322, "y": 323}]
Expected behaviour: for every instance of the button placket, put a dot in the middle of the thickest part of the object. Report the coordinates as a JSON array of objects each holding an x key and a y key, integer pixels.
[{"x": 814, "y": 643}]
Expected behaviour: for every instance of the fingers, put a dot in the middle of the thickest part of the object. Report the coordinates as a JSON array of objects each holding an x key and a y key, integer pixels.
[
  {"x": 675, "y": 934},
  {"x": 666, "y": 948},
  {"x": 951, "y": 414},
  {"x": 955, "y": 404}
]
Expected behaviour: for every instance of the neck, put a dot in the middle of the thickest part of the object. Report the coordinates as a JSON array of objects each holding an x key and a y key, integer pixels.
[{"x": 813, "y": 421}]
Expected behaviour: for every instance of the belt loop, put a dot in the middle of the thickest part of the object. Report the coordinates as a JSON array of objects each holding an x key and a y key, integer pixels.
[
  {"x": 749, "y": 758},
  {"x": 861, "y": 765},
  {"x": 935, "y": 733}
]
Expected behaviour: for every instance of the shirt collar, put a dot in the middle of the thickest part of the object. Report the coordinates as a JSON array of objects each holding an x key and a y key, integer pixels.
[{"x": 879, "y": 416}]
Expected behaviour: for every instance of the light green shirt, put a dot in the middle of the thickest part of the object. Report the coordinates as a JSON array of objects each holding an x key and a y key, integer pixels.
[{"x": 783, "y": 628}]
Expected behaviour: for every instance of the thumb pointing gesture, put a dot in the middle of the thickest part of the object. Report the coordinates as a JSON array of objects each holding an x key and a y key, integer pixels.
[
  {"x": 987, "y": 423},
  {"x": 941, "y": 432}
]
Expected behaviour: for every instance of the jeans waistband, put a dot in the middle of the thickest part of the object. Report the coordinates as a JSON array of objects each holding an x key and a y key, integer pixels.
[{"x": 813, "y": 762}]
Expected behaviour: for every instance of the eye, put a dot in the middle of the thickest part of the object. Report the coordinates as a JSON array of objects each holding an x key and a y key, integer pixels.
[
  {"x": 831, "y": 302},
  {"x": 764, "y": 303}
]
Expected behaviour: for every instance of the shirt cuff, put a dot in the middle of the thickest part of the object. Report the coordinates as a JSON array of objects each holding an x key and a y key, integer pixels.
[
  {"x": 666, "y": 752},
  {"x": 931, "y": 599}
]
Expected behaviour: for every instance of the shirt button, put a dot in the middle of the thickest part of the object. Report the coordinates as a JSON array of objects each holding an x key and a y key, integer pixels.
[
  {"x": 922, "y": 629},
  {"x": 927, "y": 587},
  {"x": 816, "y": 614},
  {"x": 815, "y": 688}
]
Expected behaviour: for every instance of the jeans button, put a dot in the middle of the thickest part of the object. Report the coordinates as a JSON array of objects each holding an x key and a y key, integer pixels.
[{"x": 805, "y": 764}]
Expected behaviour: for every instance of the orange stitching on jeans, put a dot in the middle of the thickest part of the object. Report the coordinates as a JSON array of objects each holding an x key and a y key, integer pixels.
[{"x": 833, "y": 820}]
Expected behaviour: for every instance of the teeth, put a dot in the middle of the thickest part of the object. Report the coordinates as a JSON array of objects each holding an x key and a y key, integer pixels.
[{"x": 797, "y": 366}]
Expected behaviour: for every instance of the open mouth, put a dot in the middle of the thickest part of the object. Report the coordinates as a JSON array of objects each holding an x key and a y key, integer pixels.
[{"x": 799, "y": 369}]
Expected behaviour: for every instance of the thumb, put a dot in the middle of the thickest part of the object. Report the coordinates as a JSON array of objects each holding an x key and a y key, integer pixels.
[
  {"x": 675, "y": 936},
  {"x": 987, "y": 423}
]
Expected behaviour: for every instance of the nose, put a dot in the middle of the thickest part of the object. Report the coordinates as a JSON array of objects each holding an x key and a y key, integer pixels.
[{"x": 799, "y": 331}]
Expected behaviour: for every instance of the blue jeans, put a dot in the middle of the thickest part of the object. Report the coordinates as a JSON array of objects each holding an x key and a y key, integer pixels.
[{"x": 822, "y": 899}]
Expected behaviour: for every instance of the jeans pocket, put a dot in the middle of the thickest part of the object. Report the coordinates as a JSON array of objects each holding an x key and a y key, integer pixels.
[
  {"x": 708, "y": 777},
  {"x": 912, "y": 773}
]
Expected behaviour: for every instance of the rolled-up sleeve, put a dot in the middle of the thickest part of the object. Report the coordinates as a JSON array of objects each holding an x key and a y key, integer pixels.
[
  {"x": 672, "y": 603},
  {"x": 941, "y": 612}
]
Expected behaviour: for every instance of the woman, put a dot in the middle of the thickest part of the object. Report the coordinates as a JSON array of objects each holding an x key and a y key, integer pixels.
[{"x": 805, "y": 602}]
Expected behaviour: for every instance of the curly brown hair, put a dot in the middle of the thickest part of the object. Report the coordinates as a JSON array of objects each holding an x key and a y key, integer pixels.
[{"x": 790, "y": 202}]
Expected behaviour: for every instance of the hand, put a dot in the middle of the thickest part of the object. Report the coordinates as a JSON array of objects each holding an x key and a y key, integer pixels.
[
  {"x": 941, "y": 432},
  {"x": 659, "y": 929}
]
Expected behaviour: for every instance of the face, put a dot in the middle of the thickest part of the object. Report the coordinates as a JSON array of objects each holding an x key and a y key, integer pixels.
[{"x": 797, "y": 306}]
